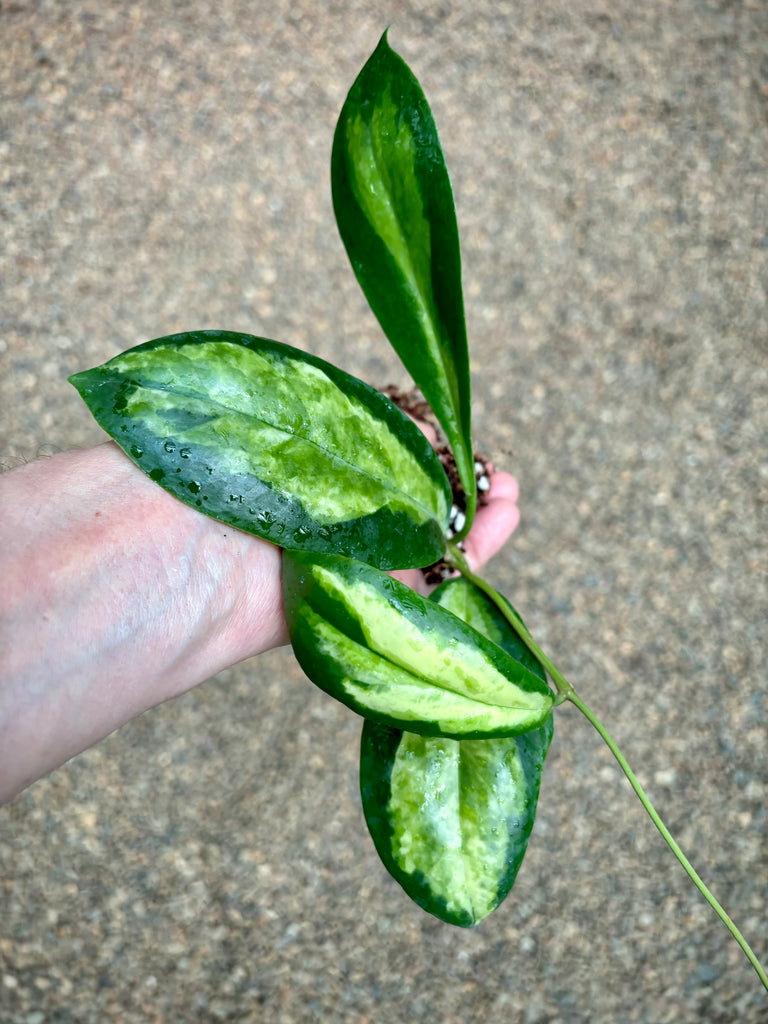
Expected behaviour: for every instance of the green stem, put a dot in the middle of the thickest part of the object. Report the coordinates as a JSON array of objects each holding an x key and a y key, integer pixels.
[
  {"x": 653, "y": 815},
  {"x": 566, "y": 692},
  {"x": 469, "y": 515}
]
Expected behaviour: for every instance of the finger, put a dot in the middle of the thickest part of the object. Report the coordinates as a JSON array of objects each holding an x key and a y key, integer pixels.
[
  {"x": 503, "y": 485},
  {"x": 494, "y": 523}
]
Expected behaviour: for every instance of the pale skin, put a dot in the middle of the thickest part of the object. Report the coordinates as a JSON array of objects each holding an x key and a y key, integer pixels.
[{"x": 116, "y": 597}]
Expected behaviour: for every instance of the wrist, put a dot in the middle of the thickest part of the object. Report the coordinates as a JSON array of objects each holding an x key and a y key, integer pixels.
[{"x": 116, "y": 596}]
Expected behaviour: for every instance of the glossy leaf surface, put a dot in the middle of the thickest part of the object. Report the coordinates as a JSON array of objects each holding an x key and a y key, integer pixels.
[
  {"x": 451, "y": 819},
  {"x": 277, "y": 443},
  {"x": 470, "y": 604},
  {"x": 394, "y": 208},
  {"x": 400, "y": 659}
]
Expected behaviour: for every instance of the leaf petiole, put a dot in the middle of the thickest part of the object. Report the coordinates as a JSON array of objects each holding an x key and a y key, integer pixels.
[{"x": 469, "y": 516}]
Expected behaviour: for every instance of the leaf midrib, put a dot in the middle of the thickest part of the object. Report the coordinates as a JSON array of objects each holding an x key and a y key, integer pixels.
[
  {"x": 151, "y": 386},
  {"x": 427, "y": 682},
  {"x": 428, "y": 302}
]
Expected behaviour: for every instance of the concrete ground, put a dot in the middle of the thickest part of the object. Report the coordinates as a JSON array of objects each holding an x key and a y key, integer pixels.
[{"x": 163, "y": 167}]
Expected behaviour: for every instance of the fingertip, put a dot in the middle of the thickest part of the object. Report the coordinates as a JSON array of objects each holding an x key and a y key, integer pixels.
[
  {"x": 503, "y": 487},
  {"x": 507, "y": 517},
  {"x": 494, "y": 525}
]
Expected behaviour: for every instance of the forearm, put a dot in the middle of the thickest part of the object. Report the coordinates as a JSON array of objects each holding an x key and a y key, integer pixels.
[{"x": 114, "y": 596}]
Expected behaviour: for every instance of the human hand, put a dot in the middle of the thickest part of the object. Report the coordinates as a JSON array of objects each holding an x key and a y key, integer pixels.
[
  {"x": 116, "y": 597},
  {"x": 495, "y": 522}
]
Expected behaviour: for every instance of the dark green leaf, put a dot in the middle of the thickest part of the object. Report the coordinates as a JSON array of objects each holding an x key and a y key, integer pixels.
[
  {"x": 394, "y": 209},
  {"x": 277, "y": 443},
  {"x": 402, "y": 660},
  {"x": 451, "y": 818}
]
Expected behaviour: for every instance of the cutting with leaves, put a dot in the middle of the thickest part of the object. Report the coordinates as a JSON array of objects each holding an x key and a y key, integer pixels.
[{"x": 456, "y": 696}]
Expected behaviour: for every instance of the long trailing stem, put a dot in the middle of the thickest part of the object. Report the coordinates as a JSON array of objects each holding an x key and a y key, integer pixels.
[
  {"x": 566, "y": 692},
  {"x": 668, "y": 839}
]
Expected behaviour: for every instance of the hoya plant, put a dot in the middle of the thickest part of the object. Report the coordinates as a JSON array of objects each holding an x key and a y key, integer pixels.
[{"x": 457, "y": 699}]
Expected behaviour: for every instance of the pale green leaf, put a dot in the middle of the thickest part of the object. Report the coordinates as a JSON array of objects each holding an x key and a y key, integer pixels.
[
  {"x": 397, "y": 658},
  {"x": 451, "y": 818},
  {"x": 394, "y": 208}
]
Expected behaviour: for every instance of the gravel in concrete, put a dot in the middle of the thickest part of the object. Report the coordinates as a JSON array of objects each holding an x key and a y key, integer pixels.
[{"x": 163, "y": 167}]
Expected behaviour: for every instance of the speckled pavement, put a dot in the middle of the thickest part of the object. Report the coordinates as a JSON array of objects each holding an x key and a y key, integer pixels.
[{"x": 163, "y": 167}]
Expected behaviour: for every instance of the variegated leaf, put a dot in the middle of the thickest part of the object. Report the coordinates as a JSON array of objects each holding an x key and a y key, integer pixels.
[
  {"x": 277, "y": 443},
  {"x": 402, "y": 660},
  {"x": 469, "y": 603},
  {"x": 394, "y": 208},
  {"x": 451, "y": 818}
]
